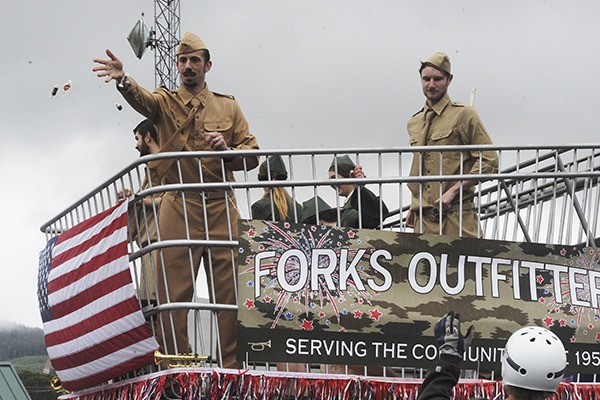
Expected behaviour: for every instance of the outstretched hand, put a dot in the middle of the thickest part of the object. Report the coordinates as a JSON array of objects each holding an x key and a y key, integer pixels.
[
  {"x": 111, "y": 68},
  {"x": 450, "y": 338}
]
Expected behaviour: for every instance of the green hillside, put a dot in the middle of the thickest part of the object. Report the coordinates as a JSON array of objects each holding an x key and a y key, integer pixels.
[{"x": 24, "y": 347}]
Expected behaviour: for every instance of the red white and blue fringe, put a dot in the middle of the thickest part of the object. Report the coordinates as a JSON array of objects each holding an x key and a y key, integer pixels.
[{"x": 214, "y": 383}]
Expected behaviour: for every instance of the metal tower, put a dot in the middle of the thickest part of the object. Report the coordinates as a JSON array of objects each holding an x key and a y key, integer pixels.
[{"x": 165, "y": 39}]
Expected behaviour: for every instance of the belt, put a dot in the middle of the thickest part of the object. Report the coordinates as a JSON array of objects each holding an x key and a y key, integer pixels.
[
  {"x": 435, "y": 211},
  {"x": 199, "y": 195}
]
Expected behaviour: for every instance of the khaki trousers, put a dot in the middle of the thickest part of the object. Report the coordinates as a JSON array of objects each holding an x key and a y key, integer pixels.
[
  {"x": 451, "y": 224},
  {"x": 182, "y": 264}
]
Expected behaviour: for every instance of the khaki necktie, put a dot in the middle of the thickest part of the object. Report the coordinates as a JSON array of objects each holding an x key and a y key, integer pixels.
[{"x": 428, "y": 118}]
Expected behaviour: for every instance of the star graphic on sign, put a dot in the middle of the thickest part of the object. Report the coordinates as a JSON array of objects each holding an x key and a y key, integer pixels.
[
  {"x": 548, "y": 321},
  {"x": 591, "y": 326},
  {"x": 562, "y": 322},
  {"x": 572, "y": 339},
  {"x": 563, "y": 252},
  {"x": 267, "y": 299},
  {"x": 597, "y": 336},
  {"x": 540, "y": 279},
  {"x": 542, "y": 300},
  {"x": 251, "y": 232},
  {"x": 351, "y": 234},
  {"x": 307, "y": 325},
  {"x": 358, "y": 314},
  {"x": 249, "y": 303},
  {"x": 321, "y": 314},
  {"x": 375, "y": 314}
]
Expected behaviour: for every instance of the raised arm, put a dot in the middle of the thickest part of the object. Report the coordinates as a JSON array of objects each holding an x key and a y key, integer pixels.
[{"x": 445, "y": 372}]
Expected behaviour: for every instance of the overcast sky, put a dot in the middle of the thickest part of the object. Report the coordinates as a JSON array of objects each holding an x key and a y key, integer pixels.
[{"x": 308, "y": 73}]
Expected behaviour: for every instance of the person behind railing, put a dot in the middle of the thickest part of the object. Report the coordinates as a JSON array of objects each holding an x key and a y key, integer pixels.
[
  {"x": 443, "y": 122},
  {"x": 372, "y": 212},
  {"x": 367, "y": 211},
  {"x": 533, "y": 362},
  {"x": 192, "y": 118},
  {"x": 276, "y": 199},
  {"x": 142, "y": 225},
  {"x": 316, "y": 211}
]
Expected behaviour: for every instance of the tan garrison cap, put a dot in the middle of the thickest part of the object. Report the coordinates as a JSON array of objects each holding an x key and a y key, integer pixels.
[
  {"x": 440, "y": 61},
  {"x": 190, "y": 42}
]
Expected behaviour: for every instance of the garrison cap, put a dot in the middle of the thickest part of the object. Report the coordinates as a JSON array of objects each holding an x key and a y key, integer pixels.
[
  {"x": 309, "y": 211},
  {"x": 438, "y": 60},
  {"x": 190, "y": 42},
  {"x": 342, "y": 160},
  {"x": 276, "y": 166}
]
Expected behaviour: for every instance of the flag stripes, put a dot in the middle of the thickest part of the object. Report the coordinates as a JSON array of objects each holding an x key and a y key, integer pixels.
[{"x": 94, "y": 328}]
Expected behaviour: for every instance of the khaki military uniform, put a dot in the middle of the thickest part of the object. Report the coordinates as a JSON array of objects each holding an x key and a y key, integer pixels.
[
  {"x": 143, "y": 229},
  {"x": 447, "y": 123},
  {"x": 182, "y": 119}
]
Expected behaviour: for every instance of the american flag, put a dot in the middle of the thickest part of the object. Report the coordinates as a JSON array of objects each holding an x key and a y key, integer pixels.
[{"x": 93, "y": 326}]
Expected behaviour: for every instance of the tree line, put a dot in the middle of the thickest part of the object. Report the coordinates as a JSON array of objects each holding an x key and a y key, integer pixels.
[{"x": 20, "y": 341}]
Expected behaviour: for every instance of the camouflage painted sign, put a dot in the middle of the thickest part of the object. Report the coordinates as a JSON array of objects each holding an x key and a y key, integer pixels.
[{"x": 324, "y": 294}]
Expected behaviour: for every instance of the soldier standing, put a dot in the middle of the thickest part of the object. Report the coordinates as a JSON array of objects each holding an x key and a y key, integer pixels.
[
  {"x": 192, "y": 118},
  {"x": 436, "y": 207},
  {"x": 143, "y": 226}
]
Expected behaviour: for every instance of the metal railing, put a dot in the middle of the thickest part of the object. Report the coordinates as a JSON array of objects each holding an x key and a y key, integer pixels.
[{"x": 545, "y": 194}]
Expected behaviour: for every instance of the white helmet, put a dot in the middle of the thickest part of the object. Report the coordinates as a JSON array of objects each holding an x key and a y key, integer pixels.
[{"x": 534, "y": 358}]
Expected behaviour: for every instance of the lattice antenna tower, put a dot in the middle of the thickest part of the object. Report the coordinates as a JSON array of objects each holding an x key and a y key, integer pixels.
[
  {"x": 167, "y": 34},
  {"x": 163, "y": 39}
]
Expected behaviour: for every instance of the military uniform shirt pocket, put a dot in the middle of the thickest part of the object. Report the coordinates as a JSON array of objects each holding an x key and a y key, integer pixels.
[{"x": 225, "y": 128}]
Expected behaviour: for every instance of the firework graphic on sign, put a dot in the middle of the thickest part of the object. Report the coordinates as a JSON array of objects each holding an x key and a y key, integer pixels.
[
  {"x": 320, "y": 303},
  {"x": 567, "y": 309}
]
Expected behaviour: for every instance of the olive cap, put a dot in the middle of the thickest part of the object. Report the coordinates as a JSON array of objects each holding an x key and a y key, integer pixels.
[
  {"x": 309, "y": 211},
  {"x": 276, "y": 166},
  {"x": 342, "y": 160}
]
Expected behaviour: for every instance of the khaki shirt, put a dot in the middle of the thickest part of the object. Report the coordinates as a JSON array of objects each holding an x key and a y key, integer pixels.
[
  {"x": 182, "y": 120},
  {"x": 452, "y": 124},
  {"x": 142, "y": 222}
]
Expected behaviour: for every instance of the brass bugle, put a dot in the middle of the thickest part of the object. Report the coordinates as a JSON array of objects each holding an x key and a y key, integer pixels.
[
  {"x": 179, "y": 360},
  {"x": 56, "y": 383}
]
